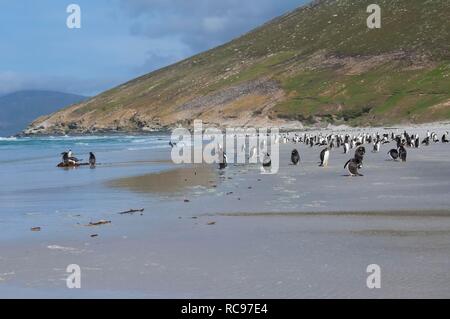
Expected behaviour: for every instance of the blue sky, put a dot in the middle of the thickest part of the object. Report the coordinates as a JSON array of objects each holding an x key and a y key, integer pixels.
[{"x": 119, "y": 39}]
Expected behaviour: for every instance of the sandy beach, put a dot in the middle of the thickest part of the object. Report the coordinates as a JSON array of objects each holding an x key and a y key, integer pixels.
[{"x": 306, "y": 232}]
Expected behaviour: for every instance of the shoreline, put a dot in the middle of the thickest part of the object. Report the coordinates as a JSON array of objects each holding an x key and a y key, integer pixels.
[{"x": 291, "y": 127}]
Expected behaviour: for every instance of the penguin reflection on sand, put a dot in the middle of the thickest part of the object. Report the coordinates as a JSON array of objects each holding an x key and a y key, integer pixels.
[
  {"x": 295, "y": 157},
  {"x": 324, "y": 157}
]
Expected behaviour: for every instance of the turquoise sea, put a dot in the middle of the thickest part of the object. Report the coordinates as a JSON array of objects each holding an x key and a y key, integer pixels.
[{"x": 32, "y": 185}]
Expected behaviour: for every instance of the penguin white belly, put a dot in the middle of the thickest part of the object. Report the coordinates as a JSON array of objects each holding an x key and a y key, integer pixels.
[
  {"x": 326, "y": 158},
  {"x": 346, "y": 147}
]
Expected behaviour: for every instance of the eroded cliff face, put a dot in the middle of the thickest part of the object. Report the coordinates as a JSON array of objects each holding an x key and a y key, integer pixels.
[{"x": 317, "y": 65}]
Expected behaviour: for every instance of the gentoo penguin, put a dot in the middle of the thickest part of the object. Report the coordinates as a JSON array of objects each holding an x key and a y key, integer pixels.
[
  {"x": 92, "y": 159},
  {"x": 402, "y": 153},
  {"x": 445, "y": 138},
  {"x": 324, "y": 157},
  {"x": 295, "y": 157},
  {"x": 426, "y": 141},
  {"x": 346, "y": 147},
  {"x": 267, "y": 162},
  {"x": 435, "y": 138},
  {"x": 65, "y": 158},
  {"x": 72, "y": 157},
  {"x": 393, "y": 153},
  {"x": 376, "y": 147},
  {"x": 222, "y": 160},
  {"x": 359, "y": 155},
  {"x": 353, "y": 165}
]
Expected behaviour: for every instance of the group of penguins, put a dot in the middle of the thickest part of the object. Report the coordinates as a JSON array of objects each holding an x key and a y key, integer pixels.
[
  {"x": 358, "y": 142},
  {"x": 68, "y": 159}
]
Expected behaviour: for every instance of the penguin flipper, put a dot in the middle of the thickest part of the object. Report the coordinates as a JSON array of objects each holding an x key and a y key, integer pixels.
[{"x": 345, "y": 166}]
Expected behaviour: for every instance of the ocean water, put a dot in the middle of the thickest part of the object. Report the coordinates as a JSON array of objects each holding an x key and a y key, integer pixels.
[{"x": 32, "y": 185}]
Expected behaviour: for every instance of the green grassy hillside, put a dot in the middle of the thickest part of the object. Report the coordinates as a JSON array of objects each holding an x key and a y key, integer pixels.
[{"x": 317, "y": 64}]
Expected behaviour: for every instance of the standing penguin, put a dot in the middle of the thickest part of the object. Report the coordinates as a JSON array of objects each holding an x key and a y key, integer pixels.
[
  {"x": 324, "y": 157},
  {"x": 295, "y": 157},
  {"x": 359, "y": 155},
  {"x": 65, "y": 158},
  {"x": 402, "y": 153},
  {"x": 376, "y": 146},
  {"x": 267, "y": 161},
  {"x": 346, "y": 147},
  {"x": 92, "y": 160},
  {"x": 222, "y": 160}
]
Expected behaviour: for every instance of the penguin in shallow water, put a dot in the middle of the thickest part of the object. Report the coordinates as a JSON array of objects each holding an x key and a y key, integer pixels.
[
  {"x": 65, "y": 158},
  {"x": 295, "y": 157},
  {"x": 393, "y": 153},
  {"x": 402, "y": 153},
  {"x": 92, "y": 159},
  {"x": 324, "y": 157}
]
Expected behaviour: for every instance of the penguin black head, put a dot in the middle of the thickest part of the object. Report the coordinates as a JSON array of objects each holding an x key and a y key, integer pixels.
[{"x": 361, "y": 150}]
